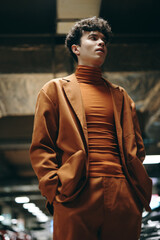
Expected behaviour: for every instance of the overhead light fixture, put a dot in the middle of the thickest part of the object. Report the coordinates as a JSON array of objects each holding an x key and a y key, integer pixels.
[
  {"x": 14, "y": 221},
  {"x": 32, "y": 208},
  {"x": 152, "y": 159},
  {"x": 1, "y": 218},
  {"x": 42, "y": 218},
  {"x": 29, "y": 205},
  {"x": 22, "y": 199},
  {"x": 155, "y": 201}
]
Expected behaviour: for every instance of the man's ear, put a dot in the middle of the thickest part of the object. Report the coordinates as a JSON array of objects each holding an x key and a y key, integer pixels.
[{"x": 75, "y": 49}]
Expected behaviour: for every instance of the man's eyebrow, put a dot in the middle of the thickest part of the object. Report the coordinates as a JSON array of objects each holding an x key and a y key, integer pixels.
[
  {"x": 93, "y": 34},
  {"x": 96, "y": 35}
]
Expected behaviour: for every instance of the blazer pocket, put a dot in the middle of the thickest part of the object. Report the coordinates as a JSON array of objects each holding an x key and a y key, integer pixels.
[
  {"x": 71, "y": 174},
  {"x": 140, "y": 179}
]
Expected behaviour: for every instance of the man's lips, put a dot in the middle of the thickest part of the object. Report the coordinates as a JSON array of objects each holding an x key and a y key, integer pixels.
[{"x": 100, "y": 50}]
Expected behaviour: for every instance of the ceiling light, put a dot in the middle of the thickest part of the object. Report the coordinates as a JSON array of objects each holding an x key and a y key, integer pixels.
[
  {"x": 1, "y": 218},
  {"x": 32, "y": 208},
  {"x": 42, "y": 218},
  {"x": 22, "y": 200},
  {"x": 155, "y": 201},
  {"x": 14, "y": 221},
  {"x": 152, "y": 159},
  {"x": 28, "y": 205}
]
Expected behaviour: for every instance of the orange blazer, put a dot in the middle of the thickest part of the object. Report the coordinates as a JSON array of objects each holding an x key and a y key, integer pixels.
[{"x": 59, "y": 148}]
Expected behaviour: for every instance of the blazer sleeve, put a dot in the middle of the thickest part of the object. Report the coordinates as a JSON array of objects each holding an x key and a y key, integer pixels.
[
  {"x": 138, "y": 136},
  {"x": 43, "y": 151}
]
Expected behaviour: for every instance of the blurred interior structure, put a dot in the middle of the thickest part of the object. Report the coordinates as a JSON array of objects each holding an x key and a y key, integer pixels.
[{"x": 32, "y": 35}]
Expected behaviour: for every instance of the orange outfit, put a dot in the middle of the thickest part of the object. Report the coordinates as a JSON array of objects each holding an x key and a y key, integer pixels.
[
  {"x": 104, "y": 158},
  {"x": 65, "y": 148},
  {"x": 107, "y": 207},
  {"x": 104, "y": 210}
]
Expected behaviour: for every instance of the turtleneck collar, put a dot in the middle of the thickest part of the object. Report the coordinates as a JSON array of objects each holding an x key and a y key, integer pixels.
[{"x": 88, "y": 74}]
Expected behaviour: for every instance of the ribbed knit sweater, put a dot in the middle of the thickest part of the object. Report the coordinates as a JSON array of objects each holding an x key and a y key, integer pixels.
[{"x": 104, "y": 157}]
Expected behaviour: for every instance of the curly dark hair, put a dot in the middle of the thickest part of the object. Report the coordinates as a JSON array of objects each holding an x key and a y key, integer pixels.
[{"x": 87, "y": 24}]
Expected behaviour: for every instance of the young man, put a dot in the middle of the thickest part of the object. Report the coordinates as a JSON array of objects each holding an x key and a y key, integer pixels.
[{"x": 87, "y": 150}]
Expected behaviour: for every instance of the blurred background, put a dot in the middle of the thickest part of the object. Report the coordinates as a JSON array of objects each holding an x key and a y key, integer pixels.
[{"x": 32, "y": 52}]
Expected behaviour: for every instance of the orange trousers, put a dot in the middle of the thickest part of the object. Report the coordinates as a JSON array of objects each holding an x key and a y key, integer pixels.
[{"x": 106, "y": 209}]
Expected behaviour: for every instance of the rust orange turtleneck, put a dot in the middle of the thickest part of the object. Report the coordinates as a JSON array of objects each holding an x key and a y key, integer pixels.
[{"x": 104, "y": 155}]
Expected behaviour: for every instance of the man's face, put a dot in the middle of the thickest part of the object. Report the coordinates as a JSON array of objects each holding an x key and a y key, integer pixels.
[{"x": 92, "y": 50}]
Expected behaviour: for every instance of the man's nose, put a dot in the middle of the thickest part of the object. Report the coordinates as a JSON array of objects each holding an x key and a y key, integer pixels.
[{"x": 101, "y": 42}]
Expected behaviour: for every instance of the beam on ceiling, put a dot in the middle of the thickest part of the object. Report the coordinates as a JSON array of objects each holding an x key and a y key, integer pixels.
[
  {"x": 14, "y": 146},
  {"x": 70, "y": 11}
]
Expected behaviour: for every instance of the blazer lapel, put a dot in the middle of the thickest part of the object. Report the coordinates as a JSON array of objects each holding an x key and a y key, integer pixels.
[
  {"x": 117, "y": 98},
  {"x": 73, "y": 93}
]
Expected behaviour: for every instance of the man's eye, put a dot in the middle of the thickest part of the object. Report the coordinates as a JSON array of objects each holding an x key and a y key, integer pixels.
[{"x": 93, "y": 38}]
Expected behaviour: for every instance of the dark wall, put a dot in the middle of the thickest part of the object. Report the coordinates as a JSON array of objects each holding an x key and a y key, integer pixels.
[
  {"x": 132, "y": 16},
  {"x": 27, "y": 17}
]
